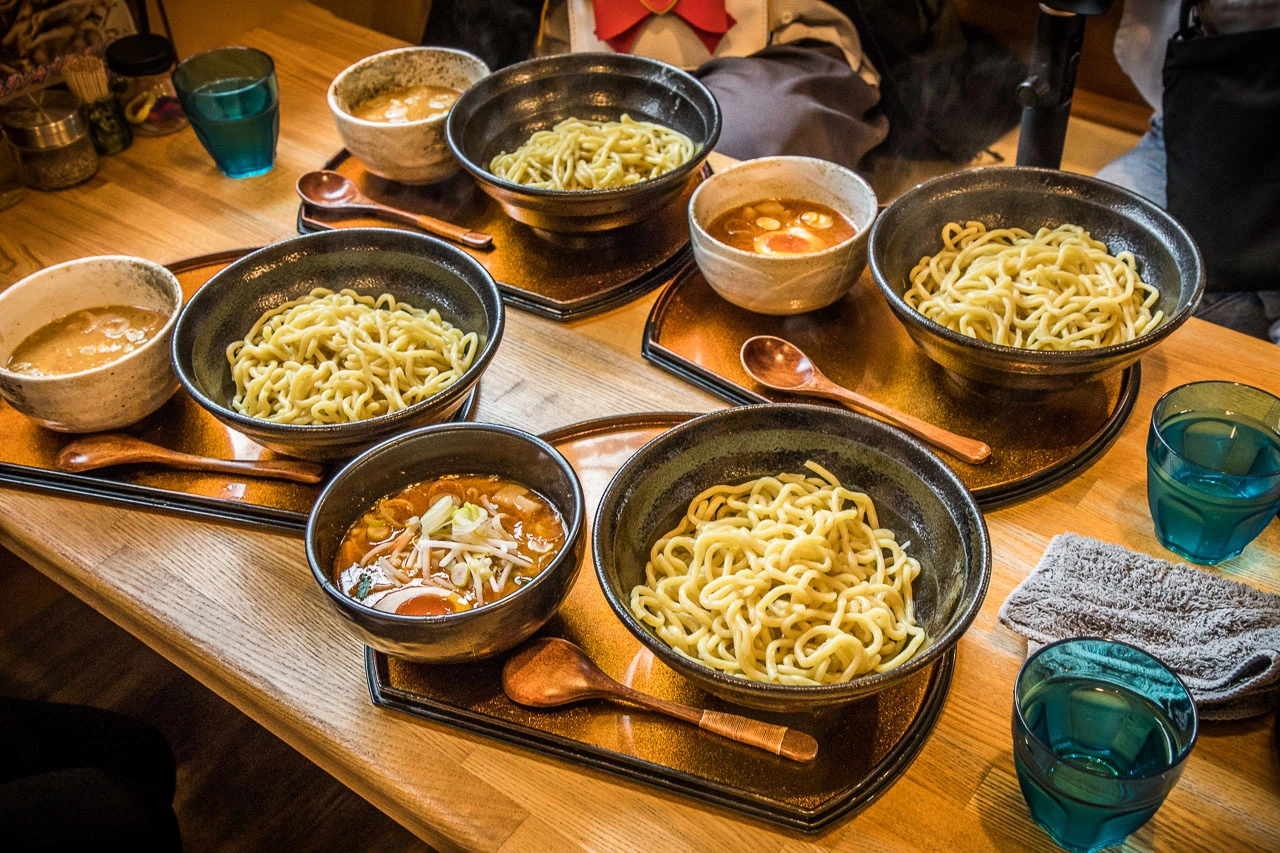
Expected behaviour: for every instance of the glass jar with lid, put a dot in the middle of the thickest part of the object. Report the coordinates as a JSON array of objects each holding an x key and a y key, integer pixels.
[
  {"x": 50, "y": 140},
  {"x": 143, "y": 62}
]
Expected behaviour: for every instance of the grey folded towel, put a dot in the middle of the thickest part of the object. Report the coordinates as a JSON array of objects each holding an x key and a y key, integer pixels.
[{"x": 1220, "y": 636}]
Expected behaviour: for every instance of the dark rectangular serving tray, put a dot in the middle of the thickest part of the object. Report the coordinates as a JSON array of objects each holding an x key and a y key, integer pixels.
[
  {"x": 863, "y": 747},
  {"x": 1037, "y": 442},
  {"x": 562, "y": 277},
  {"x": 28, "y": 452}
]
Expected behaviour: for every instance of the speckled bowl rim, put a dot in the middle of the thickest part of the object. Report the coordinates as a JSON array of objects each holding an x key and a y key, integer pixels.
[
  {"x": 575, "y": 528},
  {"x": 733, "y": 251},
  {"x": 375, "y": 58},
  {"x": 165, "y": 330},
  {"x": 677, "y": 175},
  {"x": 282, "y": 432},
  {"x": 820, "y": 695},
  {"x": 875, "y": 248}
]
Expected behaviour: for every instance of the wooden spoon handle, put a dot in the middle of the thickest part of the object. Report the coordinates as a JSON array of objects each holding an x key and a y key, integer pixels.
[
  {"x": 476, "y": 239},
  {"x": 779, "y": 740},
  {"x": 969, "y": 449},
  {"x": 277, "y": 469}
]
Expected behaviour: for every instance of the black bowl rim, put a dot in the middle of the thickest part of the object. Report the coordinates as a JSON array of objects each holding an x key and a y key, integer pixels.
[
  {"x": 1059, "y": 357},
  {"x": 621, "y": 60},
  {"x": 251, "y": 425},
  {"x": 572, "y": 533},
  {"x": 818, "y": 694}
]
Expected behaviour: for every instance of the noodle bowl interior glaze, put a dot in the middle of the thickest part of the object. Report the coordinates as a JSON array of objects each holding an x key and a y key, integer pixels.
[{"x": 447, "y": 545}]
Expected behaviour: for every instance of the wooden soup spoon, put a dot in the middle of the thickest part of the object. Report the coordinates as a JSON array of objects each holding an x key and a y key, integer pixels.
[
  {"x": 331, "y": 190},
  {"x": 550, "y": 672},
  {"x": 781, "y": 365},
  {"x": 107, "y": 449}
]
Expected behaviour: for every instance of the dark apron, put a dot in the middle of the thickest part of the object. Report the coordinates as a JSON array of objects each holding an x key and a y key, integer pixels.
[{"x": 1222, "y": 138}]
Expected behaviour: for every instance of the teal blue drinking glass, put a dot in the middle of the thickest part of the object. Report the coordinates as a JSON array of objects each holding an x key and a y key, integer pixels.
[
  {"x": 1213, "y": 468},
  {"x": 1101, "y": 731},
  {"x": 231, "y": 97}
]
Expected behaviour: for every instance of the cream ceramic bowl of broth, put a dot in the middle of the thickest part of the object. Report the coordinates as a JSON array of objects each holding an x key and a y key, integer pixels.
[
  {"x": 409, "y": 152},
  {"x": 782, "y": 283},
  {"x": 119, "y": 392}
]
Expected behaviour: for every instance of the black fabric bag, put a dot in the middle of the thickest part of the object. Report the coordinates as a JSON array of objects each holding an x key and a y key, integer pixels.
[
  {"x": 1222, "y": 139},
  {"x": 800, "y": 98}
]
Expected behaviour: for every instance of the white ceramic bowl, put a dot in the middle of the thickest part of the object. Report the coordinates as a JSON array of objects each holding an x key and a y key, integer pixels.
[
  {"x": 103, "y": 398},
  {"x": 773, "y": 284},
  {"x": 413, "y": 152}
]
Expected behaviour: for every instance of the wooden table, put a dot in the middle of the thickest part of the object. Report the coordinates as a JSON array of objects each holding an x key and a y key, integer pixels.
[{"x": 180, "y": 585}]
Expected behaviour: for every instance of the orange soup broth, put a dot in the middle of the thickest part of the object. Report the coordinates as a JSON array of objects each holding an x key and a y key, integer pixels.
[
  {"x": 533, "y": 522},
  {"x": 782, "y": 226}
]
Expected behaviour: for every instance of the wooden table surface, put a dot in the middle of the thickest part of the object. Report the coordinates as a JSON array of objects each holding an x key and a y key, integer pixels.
[{"x": 180, "y": 585}]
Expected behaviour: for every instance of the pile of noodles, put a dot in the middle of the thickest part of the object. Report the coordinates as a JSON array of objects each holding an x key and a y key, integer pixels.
[
  {"x": 331, "y": 358},
  {"x": 1058, "y": 289},
  {"x": 579, "y": 154},
  {"x": 787, "y": 579}
]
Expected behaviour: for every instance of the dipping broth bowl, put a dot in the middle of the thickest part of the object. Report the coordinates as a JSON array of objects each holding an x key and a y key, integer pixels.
[
  {"x": 1030, "y": 198},
  {"x": 782, "y": 284},
  {"x": 915, "y": 494},
  {"x": 501, "y": 112},
  {"x": 112, "y": 395},
  {"x": 416, "y": 269},
  {"x": 424, "y": 454},
  {"x": 412, "y": 152}
]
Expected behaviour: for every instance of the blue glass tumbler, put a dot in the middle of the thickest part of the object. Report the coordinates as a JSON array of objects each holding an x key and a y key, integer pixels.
[
  {"x": 1101, "y": 731},
  {"x": 231, "y": 97},
  {"x": 1213, "y": 468}
]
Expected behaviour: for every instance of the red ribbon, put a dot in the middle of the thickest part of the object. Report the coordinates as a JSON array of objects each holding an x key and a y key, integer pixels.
[{"x": 618, "y": 22}]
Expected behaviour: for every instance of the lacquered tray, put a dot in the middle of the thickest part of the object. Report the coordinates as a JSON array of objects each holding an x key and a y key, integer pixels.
[
  {"x": 1036, "y": 442},
  {"x": 863, "y": 747},
  {"x": 28, "y": 452},
  {"x": 560, "y": 277}
]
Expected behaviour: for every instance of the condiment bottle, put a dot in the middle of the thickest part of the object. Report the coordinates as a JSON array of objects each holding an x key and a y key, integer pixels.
[
  {"x": 50, "y": 140},
  {"x": 150, "y": 101}
]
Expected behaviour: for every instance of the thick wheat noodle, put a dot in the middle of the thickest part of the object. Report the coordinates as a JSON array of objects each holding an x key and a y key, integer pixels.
[
  {"x": 578, "y": 154},
  {"x": 338, "y": 357},
  {"x": 786, "y": 579},
  {"x": 1058, "y": 290}
]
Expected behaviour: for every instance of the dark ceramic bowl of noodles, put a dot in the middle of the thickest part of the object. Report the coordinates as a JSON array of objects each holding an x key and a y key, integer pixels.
[
  {"x": 424, "y": 454},
  {"x": 915, "y": 494},
  {"x": 500, "y": 112},
  {"x": 1028, "y": 198},
  {"x": 418, "y": 270}
]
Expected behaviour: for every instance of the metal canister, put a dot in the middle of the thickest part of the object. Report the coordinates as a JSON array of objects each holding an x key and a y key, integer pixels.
[{"x": 50, "y": 139}]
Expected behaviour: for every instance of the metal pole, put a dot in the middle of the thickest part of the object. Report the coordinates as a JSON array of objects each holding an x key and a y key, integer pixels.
[{"x": 1046, "y": 94}]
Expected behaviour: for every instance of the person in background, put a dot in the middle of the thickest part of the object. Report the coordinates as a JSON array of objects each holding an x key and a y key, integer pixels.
[
  {"x": 77, "y": 778},
  {"x": 820, "y": 79},
  {"x": 1244, "y": 300}
]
